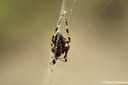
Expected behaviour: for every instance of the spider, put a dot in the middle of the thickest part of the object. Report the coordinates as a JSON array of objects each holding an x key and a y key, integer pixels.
[{"x": 60, "y": 45}]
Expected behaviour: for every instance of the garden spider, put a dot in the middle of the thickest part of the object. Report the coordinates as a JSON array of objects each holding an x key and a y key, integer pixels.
[{"x": 60, "y": 45}]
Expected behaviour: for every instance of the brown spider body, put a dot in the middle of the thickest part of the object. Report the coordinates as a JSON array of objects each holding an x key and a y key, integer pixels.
[{"x": 60, "y": 45}]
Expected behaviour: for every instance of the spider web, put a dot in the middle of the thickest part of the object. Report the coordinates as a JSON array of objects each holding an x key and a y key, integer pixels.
[
  {"x": 108, "y": 2},
  {"x": 66, "y": 10},
  {"x": 100, "y": 12}
]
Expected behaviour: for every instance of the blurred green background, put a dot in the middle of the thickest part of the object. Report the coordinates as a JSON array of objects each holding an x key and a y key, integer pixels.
[
  {"x": 22, "y": 20},
  {"x": 99, "y": 47}
]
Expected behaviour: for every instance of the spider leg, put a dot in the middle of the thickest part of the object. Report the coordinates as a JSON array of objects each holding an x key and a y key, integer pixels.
[
  {"x": 66, "y": 51},
  {"x": 67, "y": 31},
  {"x": 54, "y": 61},
  {"x": 58, "y": 25},
  {"x": 52, "y": 44},
  {"x": 56, "y": 30},
  {"x": 56, "y": 56},
  {"x": 67, "y": 41}
]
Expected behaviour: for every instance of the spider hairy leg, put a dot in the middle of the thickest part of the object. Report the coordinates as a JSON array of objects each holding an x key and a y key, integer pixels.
[{"x": 67, "y": 31}]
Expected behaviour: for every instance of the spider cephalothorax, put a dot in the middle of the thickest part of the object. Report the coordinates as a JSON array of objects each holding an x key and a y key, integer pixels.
[{"x": 60, "y": 45}]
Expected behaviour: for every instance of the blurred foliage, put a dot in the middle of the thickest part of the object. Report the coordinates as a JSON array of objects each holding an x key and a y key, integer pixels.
[{"x": 21, "y": 20}]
